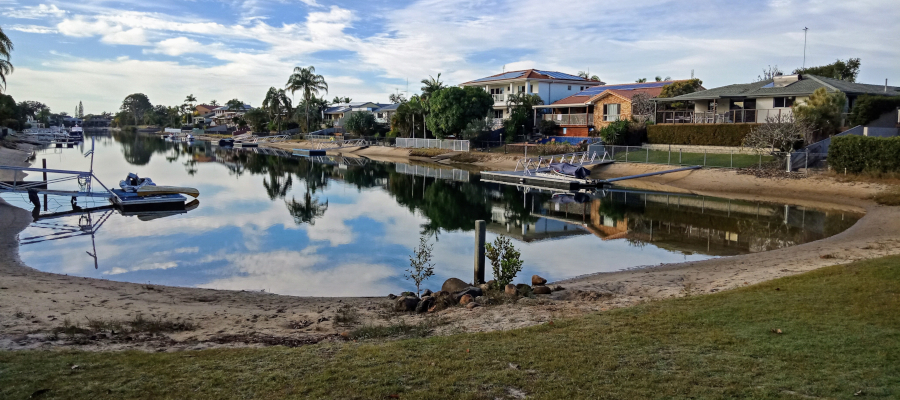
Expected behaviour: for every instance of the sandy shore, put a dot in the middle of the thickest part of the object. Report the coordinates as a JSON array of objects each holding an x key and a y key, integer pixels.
[{"x": 33, "y": 303}]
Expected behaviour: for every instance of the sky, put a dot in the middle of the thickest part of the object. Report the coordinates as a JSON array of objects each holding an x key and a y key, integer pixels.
[{"x": 98, "y": 52}]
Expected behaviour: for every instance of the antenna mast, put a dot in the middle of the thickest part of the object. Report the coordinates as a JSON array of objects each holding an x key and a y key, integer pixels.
[{"x": 804, "y": 46}]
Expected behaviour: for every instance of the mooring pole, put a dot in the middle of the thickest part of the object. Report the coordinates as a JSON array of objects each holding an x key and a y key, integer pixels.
[
  {"x": 44, "y": 162},
  {"x": 480, "y": 229}
]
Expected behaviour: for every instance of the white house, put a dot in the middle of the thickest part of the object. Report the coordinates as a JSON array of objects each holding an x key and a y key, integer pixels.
[{"x": 549, "y": 85}]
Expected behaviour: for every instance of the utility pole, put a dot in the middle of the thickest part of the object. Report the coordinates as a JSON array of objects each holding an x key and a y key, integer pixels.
[{"x": 804, "y": 46}]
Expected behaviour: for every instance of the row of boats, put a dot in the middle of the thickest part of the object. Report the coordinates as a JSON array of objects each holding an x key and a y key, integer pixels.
[{"x": 53, "y": 133}]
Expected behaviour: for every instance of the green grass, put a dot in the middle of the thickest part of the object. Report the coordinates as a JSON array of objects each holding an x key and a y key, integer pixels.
[
  {"x": 711, "y": 160},
  {"x": 841, "y": 338}
]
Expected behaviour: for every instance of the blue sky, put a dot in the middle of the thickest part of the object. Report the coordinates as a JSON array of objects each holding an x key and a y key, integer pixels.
[{"x": 99, "y": 51}]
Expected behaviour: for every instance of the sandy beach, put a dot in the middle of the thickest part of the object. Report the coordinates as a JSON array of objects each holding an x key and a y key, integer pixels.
[{"x": 33, "y": 303}]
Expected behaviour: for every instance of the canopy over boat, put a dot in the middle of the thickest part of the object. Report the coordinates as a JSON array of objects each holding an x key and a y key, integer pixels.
[{"x": 570, "y": 170}]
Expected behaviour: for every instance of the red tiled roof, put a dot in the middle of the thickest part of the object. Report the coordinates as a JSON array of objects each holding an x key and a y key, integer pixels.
[
  {"x": 573, "y": 99},
  {"x": 628, "y": 94},
  {"x": 527, "y": 74}
]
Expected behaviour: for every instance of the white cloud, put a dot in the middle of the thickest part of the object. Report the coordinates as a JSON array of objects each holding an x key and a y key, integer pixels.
[
  {"x": 36, "y": 12},
  {"x": 33, "y": 29},
  {"x": 177, "y": 46}
]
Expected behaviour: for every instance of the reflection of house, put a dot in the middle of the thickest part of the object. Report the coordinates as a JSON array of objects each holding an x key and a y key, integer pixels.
[
  {"x": 754, "y": 102},
  {"x": 549, "y": 85},
  {"x": 541, "y": 229},
  {"x": 597, "y": 107}
]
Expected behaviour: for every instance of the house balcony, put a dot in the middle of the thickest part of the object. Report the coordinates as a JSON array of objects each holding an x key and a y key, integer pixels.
[
  {"x": 570, "y": 119},
  {"x": 728, "y": 117},
  {"x": 499, "y": 98}
]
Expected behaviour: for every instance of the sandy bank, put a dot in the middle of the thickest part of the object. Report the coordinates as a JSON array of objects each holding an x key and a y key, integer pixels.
[{"x": 32, "y": 303}]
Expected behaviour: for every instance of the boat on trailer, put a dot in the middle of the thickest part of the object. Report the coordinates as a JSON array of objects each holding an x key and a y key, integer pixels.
[{"x": 142, "y": 193}]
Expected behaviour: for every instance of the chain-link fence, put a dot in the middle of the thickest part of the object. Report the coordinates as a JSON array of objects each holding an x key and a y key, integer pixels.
[{"x": 732, "y": 159}]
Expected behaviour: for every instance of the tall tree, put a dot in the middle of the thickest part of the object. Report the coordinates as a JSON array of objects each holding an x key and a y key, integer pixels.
[
  {"x": 190, "y": 99},
  {"x": 844, "y": 70},
  {"x": 6, "y": 68},
  {"x": 341, "y": 100},
  {"x": 397, "y": 98},
  {"x": 822, "y": 111},
  {"x": 235, "y": 105},
  {"x": 641, "y": 80},
  {"x": 214, "y": 103},
  {"x": 679, "y": 88},
  {"x": 521, "y": 113},
  {"x": 80, "y": 110},
  {"x": 451, "y": 109},
  {"x": 431, "y": 86},
  {"x": 309, "y": 83},
  {"x": 136, "y": 104},
  {"x": 277, "y": 104},
  {"x": 769, "y": 73}
]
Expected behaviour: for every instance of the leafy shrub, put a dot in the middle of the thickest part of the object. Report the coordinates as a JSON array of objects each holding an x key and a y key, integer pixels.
[
  {"x": 699, "y": 134},
  {"x": 420, "y": 265},
  {"x": 548, "y": 127},
  {"x": 868, "y": 108},
  {"x": 504, "y": 260},
  {"x": 822, "y": 111},
  {"x": 614, "y": 133},
  {"x": 864, "y": 154}
]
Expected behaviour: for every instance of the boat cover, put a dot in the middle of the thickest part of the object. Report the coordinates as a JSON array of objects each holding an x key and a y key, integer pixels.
[{"x": 570, "y": 170}]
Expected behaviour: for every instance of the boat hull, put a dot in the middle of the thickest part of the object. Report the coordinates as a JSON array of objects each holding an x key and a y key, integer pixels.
[{"x": 156, "y": 190}]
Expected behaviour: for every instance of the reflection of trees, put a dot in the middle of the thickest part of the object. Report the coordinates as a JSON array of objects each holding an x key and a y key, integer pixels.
[
  {"x": 307, "y": 211},
  {"x": 277, "y": 186},
  {"x": 137, "y": 148}
]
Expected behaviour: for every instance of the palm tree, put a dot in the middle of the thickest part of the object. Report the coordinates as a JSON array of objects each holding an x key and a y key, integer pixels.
[
  {"x": 431, "y": 85},
  {"x": 190, "y": 99},
  {"x": 6, "y": 67},
  {"x": 277, "y": 188},
  {"x": 307, "y": 81},
  {"x": 277, "y": 104},
  {"x": 214, "y": 103},
  {"x": 308, "y": 211}
]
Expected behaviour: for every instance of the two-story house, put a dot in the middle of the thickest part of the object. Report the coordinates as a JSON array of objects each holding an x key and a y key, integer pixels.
[
  {"x": 549, "y": 85},
  {"x": 225, "y": 116}
]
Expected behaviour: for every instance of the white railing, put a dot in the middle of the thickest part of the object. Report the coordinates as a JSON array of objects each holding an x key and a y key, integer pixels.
[
  {"x": 455, "y": 145},
  {"x": 498, "y": 98},
  {"x": 570, "y": 119},
  {"x": 440, "y": 173},
  {"x": 727, "y": 117}
]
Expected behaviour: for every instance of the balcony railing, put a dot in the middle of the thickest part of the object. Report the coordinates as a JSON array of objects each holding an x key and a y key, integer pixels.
[
  {"x": 570, "y": 119},
  {"x": 498, "y": 98},
  {"x": 728, "y": 117}
]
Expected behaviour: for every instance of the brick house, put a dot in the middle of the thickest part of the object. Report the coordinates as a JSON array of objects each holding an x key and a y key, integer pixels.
[{"x": 582, "y": 113}]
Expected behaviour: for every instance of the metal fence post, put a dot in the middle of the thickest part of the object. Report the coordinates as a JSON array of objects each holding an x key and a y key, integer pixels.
[
  {"x": 648, "y": 155},
  {"x": 670, "y": 155},
  {"x": 626, "y": 153},
  {"x": 732, "y": 159},
  {"x": 679, "y": 156},
  {"x": 760, "y": 160}
]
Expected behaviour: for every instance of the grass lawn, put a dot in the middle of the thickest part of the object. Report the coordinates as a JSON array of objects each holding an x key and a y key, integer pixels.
[
  {"x": 711, "y": 160},
  {"x": 841, "y": 339}
]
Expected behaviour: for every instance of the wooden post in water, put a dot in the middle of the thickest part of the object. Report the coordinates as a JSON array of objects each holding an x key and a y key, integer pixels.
[
  {"x": 480, "y": 229},
  {"x": 44, "y": 162}
]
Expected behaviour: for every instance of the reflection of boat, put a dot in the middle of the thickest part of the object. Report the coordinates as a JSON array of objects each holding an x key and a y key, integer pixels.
[
  {"x": 570, "y": 170},
  {"x": 146, "y": 187},
  {"x": 226, "y": 142},
  {"x": 152, "y": 215}
]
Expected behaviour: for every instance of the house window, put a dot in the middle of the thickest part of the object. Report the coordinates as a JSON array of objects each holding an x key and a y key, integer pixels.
[
  {"x": 497, "y": 91},
  {"x": 380, "y": 116},
  {"x": 498, "y": 113},
  {"x": 783, "y": 102},
  {"x": 521, "y": 89},
  {"x": 570, "y": 87},
  {"x": 611, "y": 112}
]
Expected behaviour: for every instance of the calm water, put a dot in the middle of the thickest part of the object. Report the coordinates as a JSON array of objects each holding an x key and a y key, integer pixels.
[{"x": 335, "y": 227}]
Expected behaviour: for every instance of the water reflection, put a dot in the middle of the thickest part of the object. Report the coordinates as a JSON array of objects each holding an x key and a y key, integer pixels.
[{"x": 345, "y": 226}]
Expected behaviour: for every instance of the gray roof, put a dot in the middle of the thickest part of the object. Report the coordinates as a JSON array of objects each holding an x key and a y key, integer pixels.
[
  {"x": 389, "y": 107},
  {"x": 805, "y": 86}
]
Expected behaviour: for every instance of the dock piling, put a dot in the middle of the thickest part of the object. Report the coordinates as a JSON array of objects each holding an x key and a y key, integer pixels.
[{"x": 480, "y": 229}]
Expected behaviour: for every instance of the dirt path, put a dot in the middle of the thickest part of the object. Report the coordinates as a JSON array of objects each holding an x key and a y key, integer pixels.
[{"x": 33, "y": 303}]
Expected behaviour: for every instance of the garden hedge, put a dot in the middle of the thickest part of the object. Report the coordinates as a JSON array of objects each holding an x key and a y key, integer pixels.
[
  {"x": 864, "y": 154},
  {"x": 699, "y": 134},
  {"x": 869, "y": 108}
]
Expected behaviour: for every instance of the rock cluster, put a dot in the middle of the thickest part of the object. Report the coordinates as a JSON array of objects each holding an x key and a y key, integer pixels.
[
  {"x": 457, "y": 292},
  {"x": 539, "y": 285}
]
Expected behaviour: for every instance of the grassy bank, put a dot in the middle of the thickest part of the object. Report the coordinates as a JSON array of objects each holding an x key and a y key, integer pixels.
[
  {"x": 840, "y": 338},
  {"x": 710, "y": 160}
]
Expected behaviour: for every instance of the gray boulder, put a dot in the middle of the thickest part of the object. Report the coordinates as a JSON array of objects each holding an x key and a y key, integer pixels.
[
  {"x": 542, "y": 289},
  {"x": 473, "y": 291},
  {"x": 406, "y": 303},
  {"x": 454, "y": 285},
  {"x": 427, "y": 292},
  {"x": 426, "y": 303}
]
